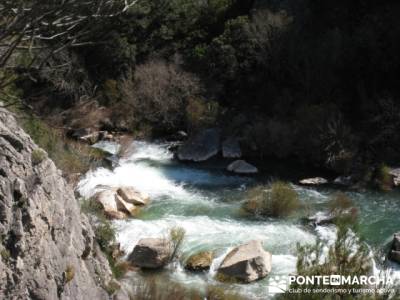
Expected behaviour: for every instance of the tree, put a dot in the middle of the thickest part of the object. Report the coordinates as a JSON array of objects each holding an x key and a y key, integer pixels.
[{"x": 43, "y": 28}]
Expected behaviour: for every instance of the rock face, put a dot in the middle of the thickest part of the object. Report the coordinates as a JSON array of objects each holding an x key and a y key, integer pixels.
[
  {"x": 200, "y": 147},
  {"x": 151, "y": 253},
  {"x": 242, "y": 167},
  {"x": 231, "y": 148},
  {"x": 394, "y": 253},
  {"x": 313, "y": 181},
  {"x": 47, "y": 246},
  {"x": 199, "y": 262},
  {"x": 247, "y": 263}
]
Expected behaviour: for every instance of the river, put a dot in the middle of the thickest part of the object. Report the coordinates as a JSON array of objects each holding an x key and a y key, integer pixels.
[{"x": 206, "y": 201}]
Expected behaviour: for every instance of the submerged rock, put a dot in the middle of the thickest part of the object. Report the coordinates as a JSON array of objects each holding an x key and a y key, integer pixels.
[
  {"x": 320, "y": 218},
  {"x": 200, "y": 147},
  {"x": 151, "y": 253},
  {"x": 231, "y": 148},
  {"x": 131, "y": 195},
  {"x": 343, "y": 180},
  {"x": 246, "y": 263},
  {"x": 313, "y": 181},
  {"x": 199, "y": 262},
  {"x": 242, "y": 167}
]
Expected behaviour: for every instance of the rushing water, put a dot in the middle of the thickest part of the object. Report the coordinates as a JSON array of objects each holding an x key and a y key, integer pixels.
[{"x": 206, "y": 201}]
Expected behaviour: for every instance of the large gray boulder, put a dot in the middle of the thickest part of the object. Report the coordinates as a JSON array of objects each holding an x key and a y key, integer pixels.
[
  {"x": 151, "y": 253},
  {"x": 242, "y": 167},
  {"x": 231, "y": 148},
  {"x": 246, "y": 263},
  {"x": 200, "y": 147},
  {"x": 48, "y": 249}
]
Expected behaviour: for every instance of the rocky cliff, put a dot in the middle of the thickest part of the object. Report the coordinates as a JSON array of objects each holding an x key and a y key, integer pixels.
[{"x": 47, "y": 246}]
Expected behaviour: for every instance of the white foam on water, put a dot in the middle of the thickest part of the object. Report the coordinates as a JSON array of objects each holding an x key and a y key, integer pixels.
[
  {"x": 110, "y": 147},
  {"x": 141, "y": 177},
  {"x": 139, "y": 150},
  {"x": 204, "y": 232},
  {"x": 311, "y": 194}
]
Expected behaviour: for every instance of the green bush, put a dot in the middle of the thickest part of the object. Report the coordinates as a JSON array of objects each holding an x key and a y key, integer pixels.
[
  {"x": 201, "y": 113},
  {"x": 348, "y": 256},
  {"x": 5, "y": 254},
  {"x": 69, "y": 274},
  {"x": 37, "y": 156},
  {"x": 384, "y": 179},
  {"x": 105, "y": 235},
  {"x": 176, "y": 236},
  {"x": 70, "y": 156},
  {"x": 280, "y": 200},
  {"x": 343, "y": 211}
]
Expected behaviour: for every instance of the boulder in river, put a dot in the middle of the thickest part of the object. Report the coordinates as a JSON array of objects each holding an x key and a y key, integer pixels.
[
  {"x": 131, "y": 195},
  {"x": 231, "y": 148},
  {"x": 242, "y": 167},
  {"x": 396, "y": 176},
  {"x": 246, "y": 263},
  {"x": 151, "y": 253},
  {"x": 313, "y": 181},
  {"x": 125, "y": 207},
  {"x": 199, "y": 262},
  {"x": 343, "y": 181},
  {"x": 200, "y": 147},
  {"x": 108, "y": 201},
  {"x": 320, "y": 218},
  {"x": 394, "y": 253}
]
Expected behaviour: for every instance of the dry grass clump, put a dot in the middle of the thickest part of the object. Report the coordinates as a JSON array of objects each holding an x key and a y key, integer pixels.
[{"x": 280, "y": 200}]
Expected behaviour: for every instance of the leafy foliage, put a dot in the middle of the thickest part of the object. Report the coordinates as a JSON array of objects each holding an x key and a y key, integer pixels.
[{"x": 348, "y": 256}]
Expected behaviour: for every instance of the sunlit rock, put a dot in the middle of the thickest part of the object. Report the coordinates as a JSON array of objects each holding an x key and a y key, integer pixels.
[
  {"x": 200, "y": 261},
  {"x": 131, "y": 195},
  {"x": 151, "y": 253},
  {"x": 246, "y": 263},
  {"x": 313, "y": 181}
]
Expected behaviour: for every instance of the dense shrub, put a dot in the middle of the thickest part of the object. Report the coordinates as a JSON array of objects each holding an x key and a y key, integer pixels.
[
  {"x": 348, "y": 256},
  {"x": 69, "y": 156},
  {"x": 201, "y": 113},
  {"x": 384, "y": 179},
  {"x": 176, "y": 236},
  {"x": 280, "y": 200},
  {"x": 152, "y": 289},
  {"x": 158, "y": 94}
]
